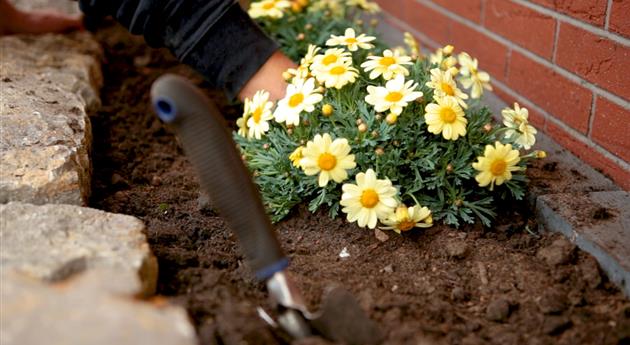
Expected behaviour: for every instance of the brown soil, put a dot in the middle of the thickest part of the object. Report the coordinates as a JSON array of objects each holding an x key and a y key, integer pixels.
[{"x": 505, "y": 285}]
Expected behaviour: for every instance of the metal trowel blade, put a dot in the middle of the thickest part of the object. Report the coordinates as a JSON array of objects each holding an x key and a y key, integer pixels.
[{"x": 341, "y": 318}]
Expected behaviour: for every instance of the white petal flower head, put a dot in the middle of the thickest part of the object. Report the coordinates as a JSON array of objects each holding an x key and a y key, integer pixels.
[
  {"x": 389, "y": 65},
  {"x": 443, "y": 84},
  {"x": 446, "y": 117},
  {"x": 308, "y": 59},
  {"x": 331, "y": 56},
  {"x": 350, "y": 40},
  {"x": 300, "y": 96},
  {"x": 369, "y": 200},
  {"x": 241, "y": 122},
  {"x": 394, "y": 96},
  {"x": 496, "y": 165},
  {"x": 406, "y": 218},
  {"x": 259, "y": 109},
  {"x": 337, "y": 74},
  {"x": 443, "y": 58},
  {"x": 368, "y": 6},
  {"x": 330, "y": 159},
  {"x": 472, "y": 77},
  {"x": 517, "y": 121},
  {"x": 268, "y": 8}
]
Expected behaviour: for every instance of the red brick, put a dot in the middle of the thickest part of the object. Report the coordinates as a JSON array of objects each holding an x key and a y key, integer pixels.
[
  {"x": 395, "y": 8},
  {"x": 611, "y": 128},
  {"x": 491, "y": 54},
  {"x": 564, "y": 99},
  {"x": 525, "y": 27},
  {"x": 589, "y": 155},
  {"x": 428, "y": 21},
  {"x": 469, "y": 9},
  {"x": 620, "y": 17},
  {"x": 596, "y": 59},
  {"x": 590, "y": 11},
  {"x": 536, "y": 118}
]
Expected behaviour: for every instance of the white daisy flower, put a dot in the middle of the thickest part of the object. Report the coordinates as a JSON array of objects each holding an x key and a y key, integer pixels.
[
  {"x": 337, "y": 75},
  {"x": 330, "y": 159},
  {"x": 268, "y": 8},
  {"x": 259, "y": 109},
  {"x": 389, "y": 65},
  {"x": 330, "y": 56},
  {"x": 406, "y": 218},
  {"x": 369, "y": 200},
  {"x": 394, "y": 96},
  {"x": 350, "y": 40},
  {"x": 517, "y": 121},
  {"x": 443, "y": 84},
  {"x": 472, "y": 77},
  {"x": 300, "y": 96}
]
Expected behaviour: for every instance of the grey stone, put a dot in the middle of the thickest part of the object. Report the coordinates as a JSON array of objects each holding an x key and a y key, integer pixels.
[
  {"x": 49, "y": 84},
  {"x": 69, "y": 7},
  {"x": 53, "y": 242},
  {"x": 598, "y": 223},
  {"x": 381, "y": 235},
  {"x": 97, "y": 308},
  {"x": 457, "y": 249}
]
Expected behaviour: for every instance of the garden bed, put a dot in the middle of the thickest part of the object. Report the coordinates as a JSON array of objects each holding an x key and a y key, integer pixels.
[{"x": 504, "y": 285}]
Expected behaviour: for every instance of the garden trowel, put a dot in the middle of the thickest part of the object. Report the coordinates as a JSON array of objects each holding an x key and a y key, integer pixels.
[{"x": 222, "y": 174}]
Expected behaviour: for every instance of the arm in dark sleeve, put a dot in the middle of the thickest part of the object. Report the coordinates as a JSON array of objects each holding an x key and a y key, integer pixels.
[{"x": 215, "y": 37}]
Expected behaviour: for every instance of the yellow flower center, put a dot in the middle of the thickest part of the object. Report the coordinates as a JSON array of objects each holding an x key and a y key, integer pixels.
[
  {"x": 326, "y": 161},
  {"x": 406, "y": 225},
  {"x": 387, "y": 60},
  {"x": 338, "y": 70},
  {"x": 328, "y": 59},
  {"x": 448, "y": 89},
  {"x": 447, "y": 115},
  {"x": 269, "y": 5},
  {"x": 296, "y": 100},
  {"x": 394, "y": 96},
  {"x": 351, "y": 40},
  {"x": 369, "y": 198},
  {"x": 497, "y": 167},
  {"x": 257, "y": 114}
]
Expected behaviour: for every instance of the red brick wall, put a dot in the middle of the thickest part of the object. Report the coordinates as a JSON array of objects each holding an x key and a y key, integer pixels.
[{"x": 567, "y": 61}]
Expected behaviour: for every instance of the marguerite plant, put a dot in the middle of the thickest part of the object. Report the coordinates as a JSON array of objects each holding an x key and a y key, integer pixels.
[{"x": 382, "y": 137}]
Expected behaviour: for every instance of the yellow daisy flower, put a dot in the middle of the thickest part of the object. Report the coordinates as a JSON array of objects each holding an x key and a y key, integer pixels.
[
  {"x": 369, "y": 200},
  {"x": 308, "y": 59},
  {"x": 389, "y": 65},
  {"x": 496, "y": 165},
  {"x": 472, "y": 77},
  {"x": 443, "y": 84},
  {"x": 394, "y": 96},
  {"x": 330, "y": 57},
  {"x": 350, "y": 40},
  {"x": 268, "y": 8},
  {"x": 300, "y": 96},
  {"x": 330, "y": 159},
  {"x": 446, "y": 117},
  {"x": 260, "y": 110},
  {"x": 406, "y": 218},
  {"x": 337, "y": 74},
  {"x": 296, "y": 155},
  {"x": 519, "y": 127}
]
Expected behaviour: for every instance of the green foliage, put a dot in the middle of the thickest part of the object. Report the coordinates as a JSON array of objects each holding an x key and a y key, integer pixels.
[{"x": 424, "y": 167}]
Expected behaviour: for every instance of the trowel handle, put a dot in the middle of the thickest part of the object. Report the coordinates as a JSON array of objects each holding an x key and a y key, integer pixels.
[{"x": 212, "y": 151}]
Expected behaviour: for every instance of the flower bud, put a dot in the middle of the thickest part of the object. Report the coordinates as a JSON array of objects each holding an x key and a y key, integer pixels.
[
  {"x": 541, "y": 154},
  {"x": 448, "y": 50},
  {"x": 458, "y": 202},
  {"x": 308, "y": 26},
  {"x": 375, "y": 134},
  {"x": 487, "y": 127},
  {"x": 391, "y": 118},
  {"x": 378, "y": 117},
  {"x": 290, "y": 131},
  {"x": 306, "y": 122},
  {"x": 300, "y": 36},
  {"x": 287, "y": 76},
  {"x": 359, "y": 22},
  {"x": 266, "y": 146},
  {"x": 359, "y": 121},
  {"x": 363, "y": 128},
  {"x": 449, "y": 168},
  {"x": 327, "y": 109},
  {"x": 396, "y": 143},
  {"x": 379, "y": 151},
  {"x": 374, "y": 22}
]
